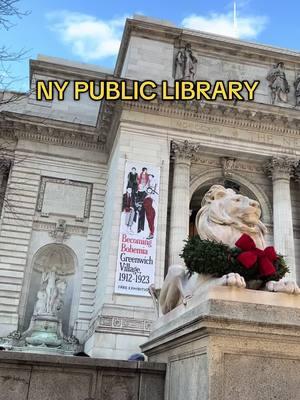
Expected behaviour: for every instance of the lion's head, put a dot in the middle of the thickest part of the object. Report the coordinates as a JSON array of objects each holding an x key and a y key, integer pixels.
[{"x": 225, "y": 215}]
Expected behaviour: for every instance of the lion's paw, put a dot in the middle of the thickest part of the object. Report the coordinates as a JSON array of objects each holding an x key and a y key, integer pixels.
[
  {"x": 233, "y": 279},
  {"x": 282, "y": 286}
]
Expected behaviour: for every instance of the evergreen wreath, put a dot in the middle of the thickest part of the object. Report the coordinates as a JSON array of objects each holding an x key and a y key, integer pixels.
[{"x": 218, "y": 259}]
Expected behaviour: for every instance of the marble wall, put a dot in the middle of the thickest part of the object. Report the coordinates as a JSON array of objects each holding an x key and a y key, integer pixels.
[
  {"x": 35, "y": 377},
  {"x": 30, "y": 223}
]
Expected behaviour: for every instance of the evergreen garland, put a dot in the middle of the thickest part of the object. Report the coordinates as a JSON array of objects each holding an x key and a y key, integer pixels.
[{"x": 218, "y": 259}]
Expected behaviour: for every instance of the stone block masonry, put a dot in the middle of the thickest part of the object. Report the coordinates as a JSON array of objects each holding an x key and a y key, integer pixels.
[{"x": 36, "y": 377}]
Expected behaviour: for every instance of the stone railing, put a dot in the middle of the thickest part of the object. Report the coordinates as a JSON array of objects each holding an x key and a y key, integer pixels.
[{"x": 37, "y": 376}]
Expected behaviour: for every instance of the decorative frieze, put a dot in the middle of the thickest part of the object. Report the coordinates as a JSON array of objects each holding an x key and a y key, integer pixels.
[
  {"x": 69, "y": 135},
  {"x": 114, "y": 324},
  {"x": 191, "y": 114},
  {"x": 211, "y": 162},
  {"x": 51, "y": 226},
  {"x": 60, "y": 234}
]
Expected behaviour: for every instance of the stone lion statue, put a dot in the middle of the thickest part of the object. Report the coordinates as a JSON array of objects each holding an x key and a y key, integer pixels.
[{"x": 224, "y": 216}]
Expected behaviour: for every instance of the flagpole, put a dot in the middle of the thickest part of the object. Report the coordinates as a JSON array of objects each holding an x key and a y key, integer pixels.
[{"x": 235, "y": 26}]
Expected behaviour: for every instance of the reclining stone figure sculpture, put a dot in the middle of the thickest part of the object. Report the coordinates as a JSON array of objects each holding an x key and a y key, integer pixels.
[{"x": 223, "y": 217}]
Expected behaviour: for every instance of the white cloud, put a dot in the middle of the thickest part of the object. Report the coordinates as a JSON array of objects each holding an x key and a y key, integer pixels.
[
  {"x": 248, "y": 27},
  {"x": 89, "y": 37}
]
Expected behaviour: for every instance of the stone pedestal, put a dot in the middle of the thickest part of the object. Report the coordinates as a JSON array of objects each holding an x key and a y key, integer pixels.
[
  {"x": 45, "y": 330},
  {"x": 44, "y": 335},
  {"x": 230, "y": 344},
  {"x": 43, "y": 377}
]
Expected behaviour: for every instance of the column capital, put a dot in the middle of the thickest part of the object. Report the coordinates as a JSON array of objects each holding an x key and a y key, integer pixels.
[
  {"x": 281, "y": 167},
  {"x": 184, "y": 150}
]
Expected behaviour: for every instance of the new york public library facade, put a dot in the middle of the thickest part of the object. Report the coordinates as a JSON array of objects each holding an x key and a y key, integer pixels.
[{"x": 102, "y": 195}]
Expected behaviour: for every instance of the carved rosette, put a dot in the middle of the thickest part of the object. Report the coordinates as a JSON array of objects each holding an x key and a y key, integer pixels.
[
  {"x": 281, "y": 167},
  {"x": 184, "y": 151}
]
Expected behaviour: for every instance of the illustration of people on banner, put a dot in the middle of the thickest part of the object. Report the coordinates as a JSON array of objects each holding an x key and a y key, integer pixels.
[
  {"x": 139, "y": 201},
  {"x": 137, "y": 242}
]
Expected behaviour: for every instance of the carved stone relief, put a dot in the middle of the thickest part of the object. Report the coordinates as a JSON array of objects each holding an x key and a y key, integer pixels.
[
  {"x": 185, "y": 66},
  {"x": 278, "y": 83},
  {"x": 297, "y": 89},
  {"x": 228, "y": 164},
  {"x": 120, "y": 324},
  {"x": 60, "y": 234},
  {"x": 48, "y": 307}
]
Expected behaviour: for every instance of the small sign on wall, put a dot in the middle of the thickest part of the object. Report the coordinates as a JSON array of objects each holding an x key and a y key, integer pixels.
[{"x": 138, "y": 229}]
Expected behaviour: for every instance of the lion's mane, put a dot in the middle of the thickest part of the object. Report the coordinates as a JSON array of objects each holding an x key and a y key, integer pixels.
[{"x": 214, "y": 221}]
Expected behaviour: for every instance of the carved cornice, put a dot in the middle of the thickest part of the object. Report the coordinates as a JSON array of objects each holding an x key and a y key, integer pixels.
[
  {"x": 281, "y": 167},
  {"x": 238, "y": 165},
  {"x": 268, "y": 119},
  {"x": 204, "y": 43},
  {"x": 21, "y": 126}
]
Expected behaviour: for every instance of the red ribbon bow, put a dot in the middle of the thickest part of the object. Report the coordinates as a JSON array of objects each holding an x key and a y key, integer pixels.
[{"x": 251, "y": 254}]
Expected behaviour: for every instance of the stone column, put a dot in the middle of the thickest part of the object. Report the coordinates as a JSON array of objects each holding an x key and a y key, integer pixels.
[
  {"x": 180, "y": 213},
  {"x": 281, "y": 169}
]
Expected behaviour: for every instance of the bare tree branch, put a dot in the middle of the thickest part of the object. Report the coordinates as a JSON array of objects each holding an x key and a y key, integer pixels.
[
  {"x": 9, "y": 9},
  {"x": 9, "y": 12}
]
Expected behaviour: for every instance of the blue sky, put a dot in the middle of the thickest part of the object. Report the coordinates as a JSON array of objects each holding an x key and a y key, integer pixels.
[{"x": 90, "y": 31}]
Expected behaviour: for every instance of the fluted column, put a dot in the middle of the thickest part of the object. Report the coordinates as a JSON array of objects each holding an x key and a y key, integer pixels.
[
  {"x": 179, "y": 223},
  {"x": 281, "y": 169}
]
